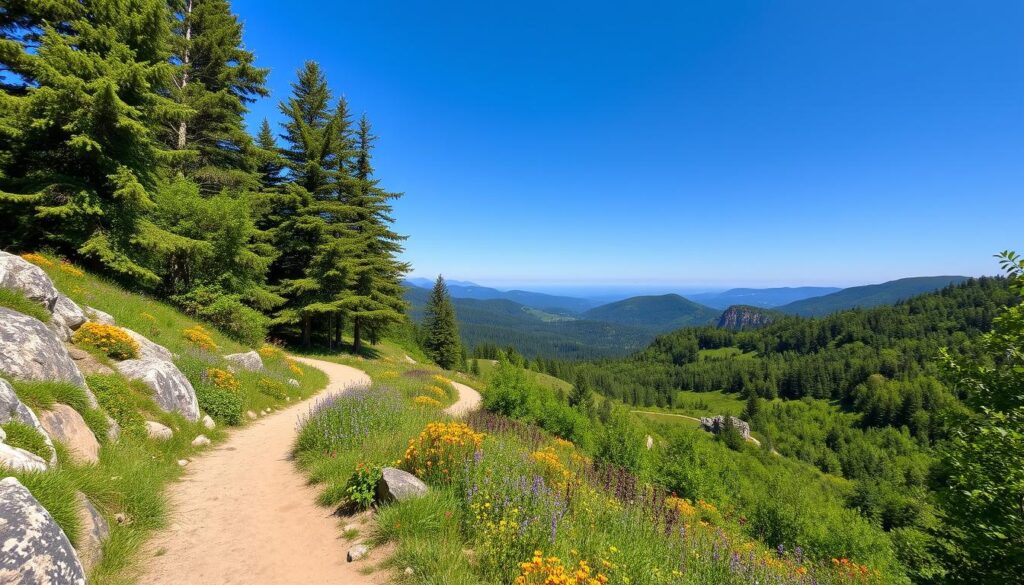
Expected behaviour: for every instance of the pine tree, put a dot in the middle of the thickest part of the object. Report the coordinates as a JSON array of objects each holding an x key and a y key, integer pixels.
[
  {"x": 80, "y": 160},
  {"x": 581, "y": 394},
  {"x": 214, "y": 78},
  {"x": 752, "y": 408},
  {"x": 442, "y": 343},
  {"x": 269, "y": 163}
]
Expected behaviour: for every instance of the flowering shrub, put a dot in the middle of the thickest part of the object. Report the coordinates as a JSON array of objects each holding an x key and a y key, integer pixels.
[
  {"x": 70, "y": 268},
  {"x": 438, "y": 391},
  {"x": 294, "y": 368},
  {"x": 344, "y": 421},
  {"x": 440, "y": 450},
  {"x": 109, "y": 339},
  {"x": 270, "y": 352},
  {"x": 272, "y": 388},
  {"x": 552, "y": 468},
  {"x": 37, "y": 259},
  {"x": 198, "y": 335},
  {"x": 223, "y": 379},
  {"x": 426, "y": 401},
  {"x": 550, "y": 571}
]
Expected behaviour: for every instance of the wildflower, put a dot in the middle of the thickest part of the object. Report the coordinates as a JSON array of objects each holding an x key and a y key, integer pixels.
[{"x": 110, "y": 339}]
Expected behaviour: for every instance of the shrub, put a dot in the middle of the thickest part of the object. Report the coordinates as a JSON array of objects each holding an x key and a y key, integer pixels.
[
  {"x": 222, "y": 404},
  {"x": 223, "y": 379},
  {"x": 439, "y": 452},
  {"x": 37, "y": 259},
  {"x": 225, "y": 312},
  {"x": 545, "y": 571},
  {"x": 25, "y": 437},
  {"x": 110, "y": 339},
  {"x": 17, "y": 301},
  {"x": 270, "y": 352},
  {"x": 295, "y": 369},
  {"x": 198, "y": 335},
  {"x": 362, "y": 486},
  {"x": 115, "y": 396},
  {"x": 272, "y": 388}
]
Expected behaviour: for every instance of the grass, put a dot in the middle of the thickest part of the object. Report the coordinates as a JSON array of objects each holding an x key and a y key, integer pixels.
[
  {"x": 544, "y": 380},
  {"x": 723, "y": 353},
  {"x": 26, "y": 437},
  {"x": 17, "y": 301}
]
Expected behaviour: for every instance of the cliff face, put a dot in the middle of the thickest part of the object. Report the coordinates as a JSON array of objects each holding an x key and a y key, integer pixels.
[{"x": 739, "y": 317}]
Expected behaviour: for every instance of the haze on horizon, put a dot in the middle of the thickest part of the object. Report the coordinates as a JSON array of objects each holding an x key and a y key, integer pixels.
[{"x": 668, "y": 146}]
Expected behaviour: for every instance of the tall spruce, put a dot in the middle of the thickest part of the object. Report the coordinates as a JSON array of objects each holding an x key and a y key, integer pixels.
[
  {"x": 80, "y": 160},
  {"x": 214, "y": 79},
  {"x": 442, "y": 341}
]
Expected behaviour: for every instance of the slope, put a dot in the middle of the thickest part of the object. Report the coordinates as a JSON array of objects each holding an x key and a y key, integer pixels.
[
  {"x": 871, "y": 295},
  {"x": 656, "y": 313},
  {"x": 761, "y": 297}
]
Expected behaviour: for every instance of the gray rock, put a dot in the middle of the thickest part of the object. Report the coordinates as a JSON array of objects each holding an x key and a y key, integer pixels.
[
  {"x": 68, "y": 314},
  {"x": 31, "y": 351},
  {"x": 95, "y": 531},
  {"x": 158, "y": 431},
  {"x": 200, "y": 441},
  {"x": 249, "y": 360},
  {"x": 208, "y": 423},
  {"x": 13, "y": 409},
  {"x": 250, "y": 414},
  {"x": 98, "y": 316},
  {"x": 717, "y": 423},
  {"x": 293, "y": 382},
  {"x": 171, "y": 389},
  {"x": 87, "y": 363},
  {"x": 357, "y": 552},
  {"x": 113, "y": 429},
  {"x": 396, "y": 485},
  {"x": 183, "y": 462},
  {"x": 149, "y": 349},
  {"x": 35, "y": 549},
  {"x": 67, "y": 426},
  {"x": 18, "y": 459},
  {"x": 20, "y": 274}
]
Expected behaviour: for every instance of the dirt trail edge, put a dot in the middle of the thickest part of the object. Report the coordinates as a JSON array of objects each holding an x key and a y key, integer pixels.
[
  {"x": 469, "y": 400},
  {"x": 243, "y": 513}
]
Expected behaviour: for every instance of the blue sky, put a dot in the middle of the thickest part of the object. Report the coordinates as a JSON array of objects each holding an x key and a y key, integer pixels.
[{"x": 678, "y": 144}]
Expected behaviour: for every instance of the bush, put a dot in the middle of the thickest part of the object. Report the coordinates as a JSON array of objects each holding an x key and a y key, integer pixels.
[
  {"x": 17, "y": 301},
  {"x": 110, "y": 339},
  {"x": 25, "y": 437},
  {"x": 225, "y": 312},
  {"x": 200, "y": 337},
  {"x": 362, "y": 486},
  {"x": 440, "y": 451},
  {"x": 221, "y": 404},
  {"x": 272, "y": 388},
  {"x": 223, "y": 379},
  {"x": 115, "y": 396}
]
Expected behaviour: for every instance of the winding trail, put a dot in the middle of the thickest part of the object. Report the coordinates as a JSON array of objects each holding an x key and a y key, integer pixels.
[{"x": 244, "y": 514}]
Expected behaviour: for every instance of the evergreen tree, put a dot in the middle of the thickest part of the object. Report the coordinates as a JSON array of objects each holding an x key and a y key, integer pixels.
[
  {"x": 80, "y": 158},
  {"x": 581, "y": 394},
  {"x": 442, "y": 342},
  {"x": 752, "y": 408},
  {"x": 270, "y": 164},
  {"x": 214, "y": 78}
]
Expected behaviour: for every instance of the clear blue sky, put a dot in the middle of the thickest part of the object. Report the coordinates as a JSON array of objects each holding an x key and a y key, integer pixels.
[{"x": 679, "y": 143}]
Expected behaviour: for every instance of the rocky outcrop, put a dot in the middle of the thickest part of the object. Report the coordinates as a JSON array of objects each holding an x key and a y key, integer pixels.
[
  {"x": 148, "y": 349},
  {"x": 66, "y": 317},
  {"x": 249, "y": 360},
  {"x": 171, "y": 389},
  {"x": 98, "y": 316},
  {"x": 64, "y": 424},
  {"x": 13, "y": 409},
  {"x": 716, "y": 424},
  {"x": 20, "y": 274},
  {"x": 155, "y": 430},
  {"x": 95, "y": 531},
  {"x": 740, "y": 317},
  {"x": 18, "y": 459},
  {"x": 396, "y": 485},
  {"x": 87, "y": 363},
  {"x": 31, "y": 351},
  {"x": 35, "y": 549}
]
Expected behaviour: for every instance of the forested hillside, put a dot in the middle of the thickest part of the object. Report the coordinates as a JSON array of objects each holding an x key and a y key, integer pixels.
[
  {"x": 870, "y": 295},
  {"x": 657, "y": 313},
  {"x": 123, "y": 146}
]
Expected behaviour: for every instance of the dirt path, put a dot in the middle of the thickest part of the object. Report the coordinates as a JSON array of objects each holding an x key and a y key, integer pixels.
[
  {"x": 243, "y": 514},
  {"x": 469, "y": 400}
]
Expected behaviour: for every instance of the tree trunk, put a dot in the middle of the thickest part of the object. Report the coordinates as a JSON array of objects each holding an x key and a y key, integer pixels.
[
  {"x": 186, "y": 60},
  {"x": 357, "y": 343},
  {"x": 306, "y": 330}
]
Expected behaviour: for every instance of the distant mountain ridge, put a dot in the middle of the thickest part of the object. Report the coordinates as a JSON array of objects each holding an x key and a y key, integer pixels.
[
  {"x": 658, "y": 313},
  {"x": 469, "y": 290},
  {"x": 764, "y": 298},
  {"x": 871, "y": 295}
]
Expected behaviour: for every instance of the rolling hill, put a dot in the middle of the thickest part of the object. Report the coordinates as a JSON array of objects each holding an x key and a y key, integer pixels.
[
  {"x": 544, "y": 302},
  {"x": 656, "y": 313},
  {"x": 765, "y": 298},
  {"x": 871, "y": 295}
]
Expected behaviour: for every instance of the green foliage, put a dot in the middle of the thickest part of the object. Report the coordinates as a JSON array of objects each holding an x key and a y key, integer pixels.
[
  {"x": 26, "y": 437},
  {"x": 362, "y": 486},
  {"x": 272, "y": 388},
  {"x": 110, "y": 340},
  {"x": 17, "y": 301},
  {"x": 116, "y": 397},
  {"x": 983, "y": 465},
  {"x": 221, "y": 404},
  {"x": 43, "y": 395},
  {"x": 226, "y": 312},
  {"x": 441, "y": 332}
]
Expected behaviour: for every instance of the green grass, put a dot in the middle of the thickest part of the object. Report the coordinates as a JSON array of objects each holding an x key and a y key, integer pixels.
[
  {"x": 26, "y": 437},
  {"x": 723, "y": 353},
  {"x": 43, "y": 395},
  {"x": 17, "y": 301},
  {"x": 544, "y": 380}
]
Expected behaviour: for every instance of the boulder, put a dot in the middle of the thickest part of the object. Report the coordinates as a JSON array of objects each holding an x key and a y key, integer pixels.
[
  {"x": 31, "y": 351},
  {"x": 67, "y": 426},
  {"x": 200, "y": 441},
  {"x": 208, "y": 423},
  {"x": 18, "y": 459},
  {"x": 249, "y": 360},
  {"x": 35, "y": 549},
  {"x": 396, "y": 485},
  {"x": 87, "y": 363},
  {"x": 98, "y": 316},
  {"x": 13, "y": 409},
  {"x": 293, "y": 382},
  {"x": 20, "y": 274},
  {"x": 357, "y": 552},
  {"x": 148, "y": 349},
  {"x": 717, "y": 423},
  {"x": 250, "y": 414},
  {"x": 95, "y": 531},
  {"x": 66, "y": 317},
  {"x": 171, "y": 389},
  {"x": 158, "y": 431},
  {"x": 113, "y": 429}
]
